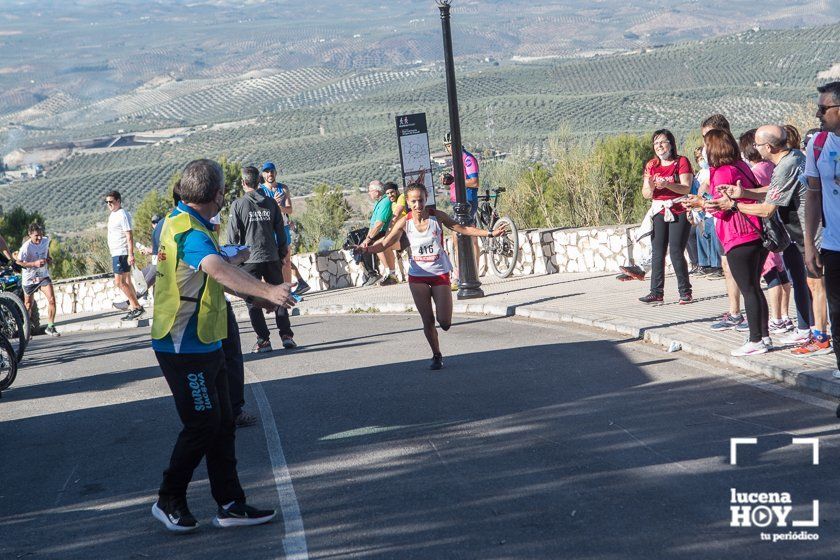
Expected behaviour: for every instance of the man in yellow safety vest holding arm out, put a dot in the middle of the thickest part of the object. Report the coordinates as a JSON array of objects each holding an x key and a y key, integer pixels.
[{"x": 189, "y": 324}]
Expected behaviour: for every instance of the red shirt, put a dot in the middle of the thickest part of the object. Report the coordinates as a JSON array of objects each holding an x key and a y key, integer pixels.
[{"x": 670, "y": 173}]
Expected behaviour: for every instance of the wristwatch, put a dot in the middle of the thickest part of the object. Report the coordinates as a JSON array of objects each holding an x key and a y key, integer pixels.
[
  {"x": 734, "y": 206},
  {"x": 490, "y": 234}
]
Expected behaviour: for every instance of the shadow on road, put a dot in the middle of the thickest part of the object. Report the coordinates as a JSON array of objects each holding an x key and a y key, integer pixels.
[{"x": 566, "y": 450}]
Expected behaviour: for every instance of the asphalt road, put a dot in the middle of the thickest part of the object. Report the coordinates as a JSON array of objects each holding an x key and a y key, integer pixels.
[{"x": 535, "y": 441}]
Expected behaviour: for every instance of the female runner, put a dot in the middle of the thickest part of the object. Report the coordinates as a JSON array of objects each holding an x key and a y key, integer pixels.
[{"x": 429, "y": 265}]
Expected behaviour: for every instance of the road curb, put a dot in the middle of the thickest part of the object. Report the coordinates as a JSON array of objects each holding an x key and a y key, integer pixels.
[{"x": 108, "y": 325}]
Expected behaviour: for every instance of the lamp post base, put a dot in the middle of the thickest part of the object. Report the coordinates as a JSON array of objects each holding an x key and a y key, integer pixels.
[{"x": 469, "y": 292}]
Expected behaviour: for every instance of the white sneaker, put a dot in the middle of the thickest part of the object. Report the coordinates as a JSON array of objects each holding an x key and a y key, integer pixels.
[
  {"x": 750, "y": 349},
  {"x": 836, "y": 374},
  {"x": 795, "y": 338},
  {"x": 767, "y": 342}
]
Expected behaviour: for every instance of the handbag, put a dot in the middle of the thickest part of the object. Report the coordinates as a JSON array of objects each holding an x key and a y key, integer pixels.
[{"x": 774, "y": 236}]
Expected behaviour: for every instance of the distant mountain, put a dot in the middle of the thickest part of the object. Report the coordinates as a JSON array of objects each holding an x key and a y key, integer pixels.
[{"x": 56, "y": 54}]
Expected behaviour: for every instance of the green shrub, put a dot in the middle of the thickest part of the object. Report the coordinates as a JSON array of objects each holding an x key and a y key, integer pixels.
[{"x": 323, "y": 220}]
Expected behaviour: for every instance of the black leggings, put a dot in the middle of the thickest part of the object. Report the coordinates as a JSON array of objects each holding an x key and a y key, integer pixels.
[
  {"x": 669, "y": 237},
  {"x": 745, "y": 264}
]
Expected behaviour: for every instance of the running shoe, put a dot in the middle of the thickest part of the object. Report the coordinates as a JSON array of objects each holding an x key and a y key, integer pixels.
[
  {"x": 302, "y": 287},
  {"x": 50, "y": 330},
  {"x": 813, "y": 347},
  {"x": 686, "y": 298},
  {"x": 750, "y": 349},
  {"x": 133, "y": 314},
  {"x": 624, "y": 277},
  {"x": 240, "y": 514},
  {"x": 288, "y": 342},
  {"x": 796, "y": 338},
  {"x": 714, "y": 274},
  {"x": 836, "y": 374},
  {"x": 243, "y": 420},
  {"x": 372, "y": 279},
  {"x": 779, "y": 326},
  {"x": 175, "y": 515},
  {"x": 767, "y": 342},
  {"x": 437, "y": 362},
  {"x": 727, "y": 322},
  {"x": 742, "y": 327},
  {"x": 695, "y": 270},
  {"x": 633, "y": 271},
  {"x": 651, "y": 298},
  {"x": 389, "y": 280},
  {"x": 261, "y": 346}
]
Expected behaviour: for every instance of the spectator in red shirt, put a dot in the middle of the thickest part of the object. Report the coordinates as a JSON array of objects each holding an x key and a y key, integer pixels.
[{"x": 667, "y": 179}]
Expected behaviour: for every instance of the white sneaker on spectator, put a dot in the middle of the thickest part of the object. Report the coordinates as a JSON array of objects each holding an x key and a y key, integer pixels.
[
  {"x": 767, "y": 342},
  {"x": 750, "y": 349},
  {"x": 795, "y": 338}
]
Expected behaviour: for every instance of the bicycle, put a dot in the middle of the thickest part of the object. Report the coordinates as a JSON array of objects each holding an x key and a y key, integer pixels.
[
  {"x": 15, "y": 323},
  {"x": 502, "y": 252},
  {"x": 8, "y": 364}
]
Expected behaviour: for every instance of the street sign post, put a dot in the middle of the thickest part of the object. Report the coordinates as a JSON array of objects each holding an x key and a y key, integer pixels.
[{"x": 415, "y": 159}]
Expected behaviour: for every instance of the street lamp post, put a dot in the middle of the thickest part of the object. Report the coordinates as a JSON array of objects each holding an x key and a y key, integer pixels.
[{"x": 468, "y": 285}]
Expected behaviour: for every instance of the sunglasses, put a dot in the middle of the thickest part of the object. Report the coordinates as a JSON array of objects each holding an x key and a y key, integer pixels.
[
  {"x": 821, "y": 109},
  {"x": 110, "y": 201}
]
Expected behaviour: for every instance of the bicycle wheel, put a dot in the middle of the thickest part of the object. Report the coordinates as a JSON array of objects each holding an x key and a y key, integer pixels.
[
  {"x": 8, "y": 364},
  {"x": 14, "y": 323},
  {"x": 503, "y": 251}
]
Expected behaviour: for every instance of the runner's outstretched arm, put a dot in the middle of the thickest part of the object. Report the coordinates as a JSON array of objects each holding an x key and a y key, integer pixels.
[{"x": 469, "y": 231}]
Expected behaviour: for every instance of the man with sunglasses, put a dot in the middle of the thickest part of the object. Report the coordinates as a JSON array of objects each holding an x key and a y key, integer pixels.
[
  {"x": 121, "y": 246},
  {"x": 822, "y": 204}
]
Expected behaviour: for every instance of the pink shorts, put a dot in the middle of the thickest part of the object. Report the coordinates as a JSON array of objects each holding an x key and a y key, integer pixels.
[{"x": 441, "y": 280}]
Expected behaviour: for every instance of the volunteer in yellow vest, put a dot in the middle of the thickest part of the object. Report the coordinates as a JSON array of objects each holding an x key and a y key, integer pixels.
[{"x": 189, "y": 324}]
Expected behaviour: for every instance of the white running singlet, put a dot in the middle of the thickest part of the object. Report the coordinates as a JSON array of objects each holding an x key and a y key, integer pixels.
[{"x": 428, "y": 257}]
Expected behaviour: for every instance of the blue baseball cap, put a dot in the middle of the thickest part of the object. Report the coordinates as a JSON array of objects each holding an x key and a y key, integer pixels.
[{"x": 268, "y": 166}]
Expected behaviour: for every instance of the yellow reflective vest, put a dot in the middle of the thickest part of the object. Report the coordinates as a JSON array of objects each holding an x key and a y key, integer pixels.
[{"x": 212, "y": 308}]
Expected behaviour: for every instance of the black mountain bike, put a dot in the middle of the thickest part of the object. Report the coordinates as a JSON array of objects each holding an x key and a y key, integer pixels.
[
  {"x": 15, "y": 323},
  {"x": 501, "y": 252},
  {"x": 8, "y": 364}
]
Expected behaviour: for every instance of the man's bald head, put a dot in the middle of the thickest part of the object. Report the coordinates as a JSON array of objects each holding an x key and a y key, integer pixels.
[{"x": 771, "y": 134}]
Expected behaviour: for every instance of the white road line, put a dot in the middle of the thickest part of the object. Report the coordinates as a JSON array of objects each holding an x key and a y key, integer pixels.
[{"x": 294, "y": 540}]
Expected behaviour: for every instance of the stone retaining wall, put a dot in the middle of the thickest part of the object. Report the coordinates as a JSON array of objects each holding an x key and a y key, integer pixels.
[{"x": 547, "y": 251}]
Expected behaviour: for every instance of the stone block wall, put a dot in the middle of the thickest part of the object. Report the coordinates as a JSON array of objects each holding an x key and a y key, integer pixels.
[{"x": 546, "y": 251}]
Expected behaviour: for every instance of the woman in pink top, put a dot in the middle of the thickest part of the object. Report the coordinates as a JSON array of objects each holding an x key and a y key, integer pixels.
[{"x": 739, "y": 234}]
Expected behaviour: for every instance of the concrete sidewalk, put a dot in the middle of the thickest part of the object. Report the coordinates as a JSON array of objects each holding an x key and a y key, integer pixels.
[{"x": 594, "y": 300}]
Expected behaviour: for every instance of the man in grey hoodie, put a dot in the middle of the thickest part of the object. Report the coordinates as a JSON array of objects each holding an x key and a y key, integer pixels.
[{"x": 255, "y": 221}]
